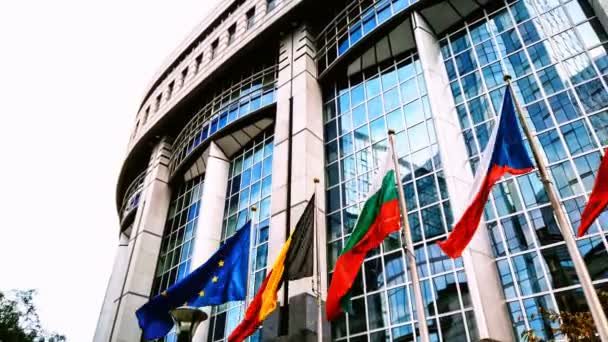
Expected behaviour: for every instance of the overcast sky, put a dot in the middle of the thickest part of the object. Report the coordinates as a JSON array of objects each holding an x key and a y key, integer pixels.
[{"x": 72, "y": 74}]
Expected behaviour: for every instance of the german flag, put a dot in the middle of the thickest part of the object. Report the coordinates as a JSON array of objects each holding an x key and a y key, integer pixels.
[{"x": 294, "y": 262}]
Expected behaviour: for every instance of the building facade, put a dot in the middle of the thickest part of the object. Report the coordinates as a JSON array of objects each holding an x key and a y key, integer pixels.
[{"x": 266, "y": 95}]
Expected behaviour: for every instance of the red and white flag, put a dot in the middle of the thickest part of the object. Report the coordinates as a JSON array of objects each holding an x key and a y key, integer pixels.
[{"x": 505, "y": 153}]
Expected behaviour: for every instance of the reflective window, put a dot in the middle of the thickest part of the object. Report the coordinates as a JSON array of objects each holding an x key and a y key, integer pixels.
[
  {"x": 555, "y": 53},
  {"x": 394, "y": 97},
  {"x": 235, "y": 100},
  {"x": 360, "y": 18},
  {"x": 178, "y": 238},
  {"x": 249, "y": 182}
]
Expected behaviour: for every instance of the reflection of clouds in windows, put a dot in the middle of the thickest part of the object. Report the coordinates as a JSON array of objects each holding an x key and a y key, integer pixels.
[
  {"x": 555, "y": 54},
  {"x": 249, "y": 184},
  {"x": 358, "y": 112},
  {"x": 178, "y": 238}
]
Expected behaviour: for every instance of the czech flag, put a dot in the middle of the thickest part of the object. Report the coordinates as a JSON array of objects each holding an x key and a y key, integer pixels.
[
  {"x": 598, "y": 198},
  {"x": 505, "y": 153}
]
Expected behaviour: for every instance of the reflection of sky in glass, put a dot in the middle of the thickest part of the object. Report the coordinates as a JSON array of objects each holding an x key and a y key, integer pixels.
[
  {"x": 178, "y": 238},
  {"x": 358, "y": 20},
  {"x": 357, "y": 113},
  {"x": 231, "y": 104},
  {"x": 248, "y": 185},
  {"x": 553, "y": 52}
]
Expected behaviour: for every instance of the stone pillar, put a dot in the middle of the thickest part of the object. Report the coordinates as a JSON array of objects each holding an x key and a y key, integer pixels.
[
  {"x": 209, "y": 226},
  {"x": 108, "y": 309},
  {"x": 299, "y": 117},
  {"x": 143, "y": 247},
  {"x": 600, "y": 8},
  {"x": 482, "y": 276}
]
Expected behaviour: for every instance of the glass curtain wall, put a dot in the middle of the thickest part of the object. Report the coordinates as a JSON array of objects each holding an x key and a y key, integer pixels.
[
  {"x": 358, "y": 110},
  {"x": 555, "y": 52},
  {"x": 249, "y": 184},
  {"x": 178, "y": 239}
]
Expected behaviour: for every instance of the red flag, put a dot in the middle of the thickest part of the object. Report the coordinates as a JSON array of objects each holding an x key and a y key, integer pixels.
[
  {"x": 597, "y": 200},
  {"x": 504, "y": 153},
  {"x": 251, "y": 322}
]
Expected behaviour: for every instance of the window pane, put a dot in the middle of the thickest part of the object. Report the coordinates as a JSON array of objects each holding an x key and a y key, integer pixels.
[
  {"x": 517, "y": 233},
  {"x": 452, "y": 328},
  {"x": 560, "y": 266},
  {"x": 529, "y": 273},
  {"x": 377, "y": 311}
]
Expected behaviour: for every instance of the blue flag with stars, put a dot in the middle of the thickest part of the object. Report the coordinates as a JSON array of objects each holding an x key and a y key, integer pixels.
[{"x": 223, "y": 278}]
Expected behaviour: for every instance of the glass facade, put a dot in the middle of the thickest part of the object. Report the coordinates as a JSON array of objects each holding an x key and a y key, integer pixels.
[
  {"x": 358, "y": 110},
  {"x": 132, "y": 196},
  {"x": 360, "y": 18},
  {"x": 249, "y": 184},
  {"x": 246, "y": 96},
  {"x": 556, "y": 55},
  {"x": 178, "y": 238},
  {"x": 180, "y": 230}
]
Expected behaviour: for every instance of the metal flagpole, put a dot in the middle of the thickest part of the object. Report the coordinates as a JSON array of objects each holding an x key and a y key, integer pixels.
[
  {"x": 579, "y": 265},
  {"x": 251, "y": 245},
  {"x": 317, "y": 255},
  {"x": 407, "y": 246}
]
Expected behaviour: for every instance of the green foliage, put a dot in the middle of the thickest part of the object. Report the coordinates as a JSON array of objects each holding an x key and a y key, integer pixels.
[
  {"x": 19, "y": 321},
  {"x": 576, "y": 326}
]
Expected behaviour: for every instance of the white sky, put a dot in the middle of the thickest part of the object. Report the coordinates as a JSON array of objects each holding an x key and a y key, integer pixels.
[{"x": 72, "y": 74}]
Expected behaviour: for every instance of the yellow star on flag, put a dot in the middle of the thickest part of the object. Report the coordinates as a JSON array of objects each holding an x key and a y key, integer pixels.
[
  {"x": 221, "y": 263},
  {"x": 214, "y": 279},
  {"x": 201, "y": 294},
  {"x": 164, "y": 293}
]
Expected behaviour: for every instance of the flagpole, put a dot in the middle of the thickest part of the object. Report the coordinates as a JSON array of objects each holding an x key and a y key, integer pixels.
[
  {"x": 317, "y": 255},
  {"x": 601, "y": 323},
  {"x": 251, "y": 245},
  {"x": 407, "y": 247}
]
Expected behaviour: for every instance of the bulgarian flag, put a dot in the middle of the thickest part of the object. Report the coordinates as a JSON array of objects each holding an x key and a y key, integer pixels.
[{"x": 379, "y": 217}]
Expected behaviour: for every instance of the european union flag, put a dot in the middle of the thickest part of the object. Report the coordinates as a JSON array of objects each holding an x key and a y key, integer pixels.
[{"x": 221, "y": 279}]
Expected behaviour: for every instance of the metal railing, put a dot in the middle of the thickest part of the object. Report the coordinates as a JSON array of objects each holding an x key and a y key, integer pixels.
[
  {"x": 132, "y": 195},
  {"x": 260, "y": 18},
  {"x": 249, "y": 95},
  {"x": 351, "y": 25}
]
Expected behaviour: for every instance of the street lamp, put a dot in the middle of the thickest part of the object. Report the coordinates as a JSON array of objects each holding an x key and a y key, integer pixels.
[{"x": 186, "y": 320}]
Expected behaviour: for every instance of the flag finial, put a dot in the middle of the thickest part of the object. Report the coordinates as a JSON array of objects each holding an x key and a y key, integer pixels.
[
  {"x": 391, "y": 131},
  {"x": 507, "y": 78}
]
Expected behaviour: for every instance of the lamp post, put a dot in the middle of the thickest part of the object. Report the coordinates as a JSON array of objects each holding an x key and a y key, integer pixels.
[{"x": 186, "y": 320}]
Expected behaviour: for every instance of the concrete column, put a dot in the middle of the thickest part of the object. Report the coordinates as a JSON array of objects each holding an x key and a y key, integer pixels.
[
  {"x": 108, "y": 309},
  {"x": 297, "y": 83},
  {"x": 209, "y": 227},
  {"x": 482, "y": 276},
  {"x": 143, "y": 247},
  {"x": 600, "y": 8}
]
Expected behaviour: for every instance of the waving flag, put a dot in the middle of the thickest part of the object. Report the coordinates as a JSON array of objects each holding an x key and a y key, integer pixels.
[
  {"x": 505, "y": 153},
  {"x": 379, "y": 217},
  {"x": 597, "y": 200},
  {"x": 295, "y": 261},
  {"x": 220, "y": 279}
]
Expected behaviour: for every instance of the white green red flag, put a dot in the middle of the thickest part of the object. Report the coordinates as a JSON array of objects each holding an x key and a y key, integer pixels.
[{"x": 379, "y": 217}]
